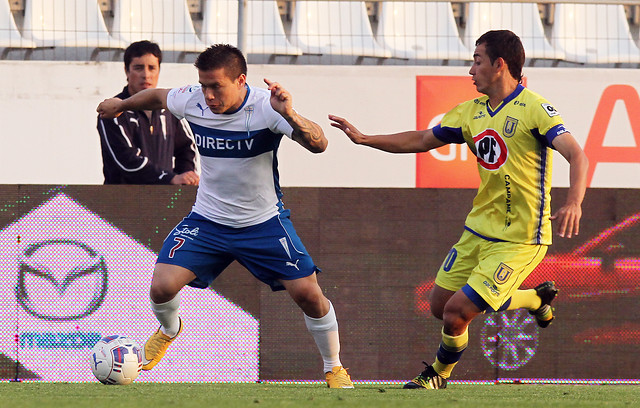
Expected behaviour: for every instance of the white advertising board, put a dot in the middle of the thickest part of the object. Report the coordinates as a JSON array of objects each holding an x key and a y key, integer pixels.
[{"x": 49, "y": 136}]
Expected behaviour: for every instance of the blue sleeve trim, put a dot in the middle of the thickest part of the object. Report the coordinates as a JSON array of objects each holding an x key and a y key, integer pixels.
[
  {"x": 448, "y": 134},
  {"x": 547, "y": 139}
]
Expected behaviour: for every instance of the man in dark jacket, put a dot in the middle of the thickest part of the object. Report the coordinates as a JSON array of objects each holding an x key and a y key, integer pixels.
[{"x": 146, "y": 147}]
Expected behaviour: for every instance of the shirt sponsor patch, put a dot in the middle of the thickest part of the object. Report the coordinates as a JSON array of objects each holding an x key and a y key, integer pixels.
[{"x": 551, "y": 111}]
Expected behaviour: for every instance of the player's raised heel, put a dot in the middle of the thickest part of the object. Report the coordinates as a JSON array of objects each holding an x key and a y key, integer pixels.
[
  {"x": 338, "y": 378},
  {"x": 428, "y": 379},
  {"x": 156, "y": 346},
  {"x": 547, "y": 291}
]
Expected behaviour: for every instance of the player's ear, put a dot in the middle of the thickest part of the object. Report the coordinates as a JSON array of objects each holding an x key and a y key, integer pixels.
[{"x": 242, "y": 80}]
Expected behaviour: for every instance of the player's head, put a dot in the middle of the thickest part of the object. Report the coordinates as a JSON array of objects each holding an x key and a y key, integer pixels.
[
  {"x": 222, "y": 72},
  {"x": 142, "y": 65},
  {"x": 222, "y": 56},
  {"x": 506, "y": 45}
]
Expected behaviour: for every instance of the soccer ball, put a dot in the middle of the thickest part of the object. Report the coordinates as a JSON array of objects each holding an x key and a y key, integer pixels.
[{"x": 116, "y": 360}]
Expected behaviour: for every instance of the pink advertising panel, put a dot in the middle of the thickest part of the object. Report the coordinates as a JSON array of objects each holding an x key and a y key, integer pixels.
[{"x": 69, "y": 278}]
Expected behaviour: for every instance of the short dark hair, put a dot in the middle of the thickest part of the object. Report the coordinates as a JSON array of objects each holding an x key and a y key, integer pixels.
[
  {"x": 222, "y": 56},
  {"x": 140, "y": 48},
  {"x": 506, "y": 45}
]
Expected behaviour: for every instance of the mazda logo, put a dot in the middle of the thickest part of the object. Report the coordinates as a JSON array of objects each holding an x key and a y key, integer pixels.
[{"x": 61, "y": 280}]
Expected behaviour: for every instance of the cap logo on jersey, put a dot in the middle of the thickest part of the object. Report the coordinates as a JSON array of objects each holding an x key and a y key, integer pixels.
[
  {"x": 551, "y": 111},
  {"x": 510, "y": 125},
  {"x": 491, "y": 150}
]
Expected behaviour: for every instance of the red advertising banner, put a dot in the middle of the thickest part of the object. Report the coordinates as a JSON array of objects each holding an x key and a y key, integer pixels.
[{"x": 451, "y": 166}]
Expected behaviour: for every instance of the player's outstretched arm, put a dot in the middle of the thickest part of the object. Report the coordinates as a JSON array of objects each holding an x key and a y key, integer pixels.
[
  {"x": 306, "y": 132},
  {"x": 148, "y": 99},
  {"x": 568, "y": 216},
  {"x": 414, "y": 141}
]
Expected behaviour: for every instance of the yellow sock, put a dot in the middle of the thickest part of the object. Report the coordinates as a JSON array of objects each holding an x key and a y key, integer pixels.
[
  {"x": 527, "y": 299},
  {"x": 449, "y": 353}
]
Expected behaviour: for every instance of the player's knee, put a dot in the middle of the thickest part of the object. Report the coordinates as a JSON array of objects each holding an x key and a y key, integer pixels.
[
  {"x": 161, "y": 293},
  {"x": 307, "y": 297},
  {"x": 312, "y": 302},
  {"x": 455, "y": 320},
  {"x": 453, "y": 324}
]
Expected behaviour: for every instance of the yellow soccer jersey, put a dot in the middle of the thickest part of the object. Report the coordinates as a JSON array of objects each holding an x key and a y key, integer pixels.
[{"x": 512, "y": 145}]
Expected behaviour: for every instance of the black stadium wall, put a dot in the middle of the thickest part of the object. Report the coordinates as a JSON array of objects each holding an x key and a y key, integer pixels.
[{"x": 379, "y": 250}]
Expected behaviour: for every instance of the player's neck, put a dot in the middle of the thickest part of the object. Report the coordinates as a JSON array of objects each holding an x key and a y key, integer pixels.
[{"x": 501, "y": 92}]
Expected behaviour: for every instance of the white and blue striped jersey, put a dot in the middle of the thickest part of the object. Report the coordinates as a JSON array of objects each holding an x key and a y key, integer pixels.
[{"x": 239, "y": 183}]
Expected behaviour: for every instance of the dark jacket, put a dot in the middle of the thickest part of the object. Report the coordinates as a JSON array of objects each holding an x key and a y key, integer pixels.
[{"x": 138, "y": 151}]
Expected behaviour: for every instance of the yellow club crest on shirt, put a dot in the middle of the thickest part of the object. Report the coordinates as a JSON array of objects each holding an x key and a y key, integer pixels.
[
  {"x": 509, "y": 126},
  {"x": 501, "y": 274}
]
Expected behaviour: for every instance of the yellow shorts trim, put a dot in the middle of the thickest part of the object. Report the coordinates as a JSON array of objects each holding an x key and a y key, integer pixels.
[{"x": 495, "y": 270}]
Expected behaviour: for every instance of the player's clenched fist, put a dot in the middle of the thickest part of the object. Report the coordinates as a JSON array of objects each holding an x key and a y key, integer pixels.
[{"x": 110, "y": 108}]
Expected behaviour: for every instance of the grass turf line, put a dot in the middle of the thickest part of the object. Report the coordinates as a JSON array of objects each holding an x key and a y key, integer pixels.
[{"x": 231, "y": 395}]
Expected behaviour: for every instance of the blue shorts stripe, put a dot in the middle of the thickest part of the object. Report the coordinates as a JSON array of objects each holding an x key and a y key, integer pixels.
[
  {"x": 502, "y": 308},
  {"x": 482, "y": 236},
  {"x": 475, "y": 297}
]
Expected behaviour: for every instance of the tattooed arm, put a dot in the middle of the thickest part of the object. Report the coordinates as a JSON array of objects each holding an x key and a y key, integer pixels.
[{"x": 306, "y": 132}]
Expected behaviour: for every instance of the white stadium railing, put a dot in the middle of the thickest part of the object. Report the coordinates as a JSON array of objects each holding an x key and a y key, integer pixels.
[{"x": 555, "y": 33}]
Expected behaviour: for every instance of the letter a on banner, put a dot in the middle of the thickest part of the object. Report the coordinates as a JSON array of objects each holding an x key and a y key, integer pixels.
[{"x": 594, "y": 147}]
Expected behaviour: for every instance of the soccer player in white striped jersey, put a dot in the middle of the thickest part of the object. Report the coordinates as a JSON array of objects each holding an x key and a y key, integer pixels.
[
  {"x": 511, "y": 130},
  {"x": 238, "y": 214}
]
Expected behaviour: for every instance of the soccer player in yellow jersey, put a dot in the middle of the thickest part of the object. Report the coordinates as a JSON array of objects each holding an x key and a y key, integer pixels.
[{"x": 511, "y": 130}]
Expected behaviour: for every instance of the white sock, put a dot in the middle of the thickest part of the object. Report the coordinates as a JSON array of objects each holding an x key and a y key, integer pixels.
[
  {"x": 325, "y": 333},
  {"x": 167, "y": 315}
]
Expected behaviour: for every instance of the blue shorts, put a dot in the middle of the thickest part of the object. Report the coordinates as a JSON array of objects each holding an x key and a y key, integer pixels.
[{"x": 271, "y": 250}]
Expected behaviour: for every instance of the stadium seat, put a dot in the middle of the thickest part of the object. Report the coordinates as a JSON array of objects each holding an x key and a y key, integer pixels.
[
  {"x": 334, "y": 28},
  {"x": 265, "y": 32},
  {"x": 166, "y": 22},
  {"x": 10, "y": 37},
  {"x": 521, "y": 18},
  {"x": 594, "y": 33},
  {"x": 220, "y": 22},
  {"x": 420, "y": 30},
  {"x": 68, "y": 23}
]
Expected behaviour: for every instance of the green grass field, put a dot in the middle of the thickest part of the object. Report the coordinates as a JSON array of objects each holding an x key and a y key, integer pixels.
[{"x": 151, "y": 395}]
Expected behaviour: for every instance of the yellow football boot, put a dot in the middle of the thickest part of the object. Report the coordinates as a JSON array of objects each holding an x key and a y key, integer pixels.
[
  {"x": 156, "y": 346},
  {"x": 338, "y": 378}
]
